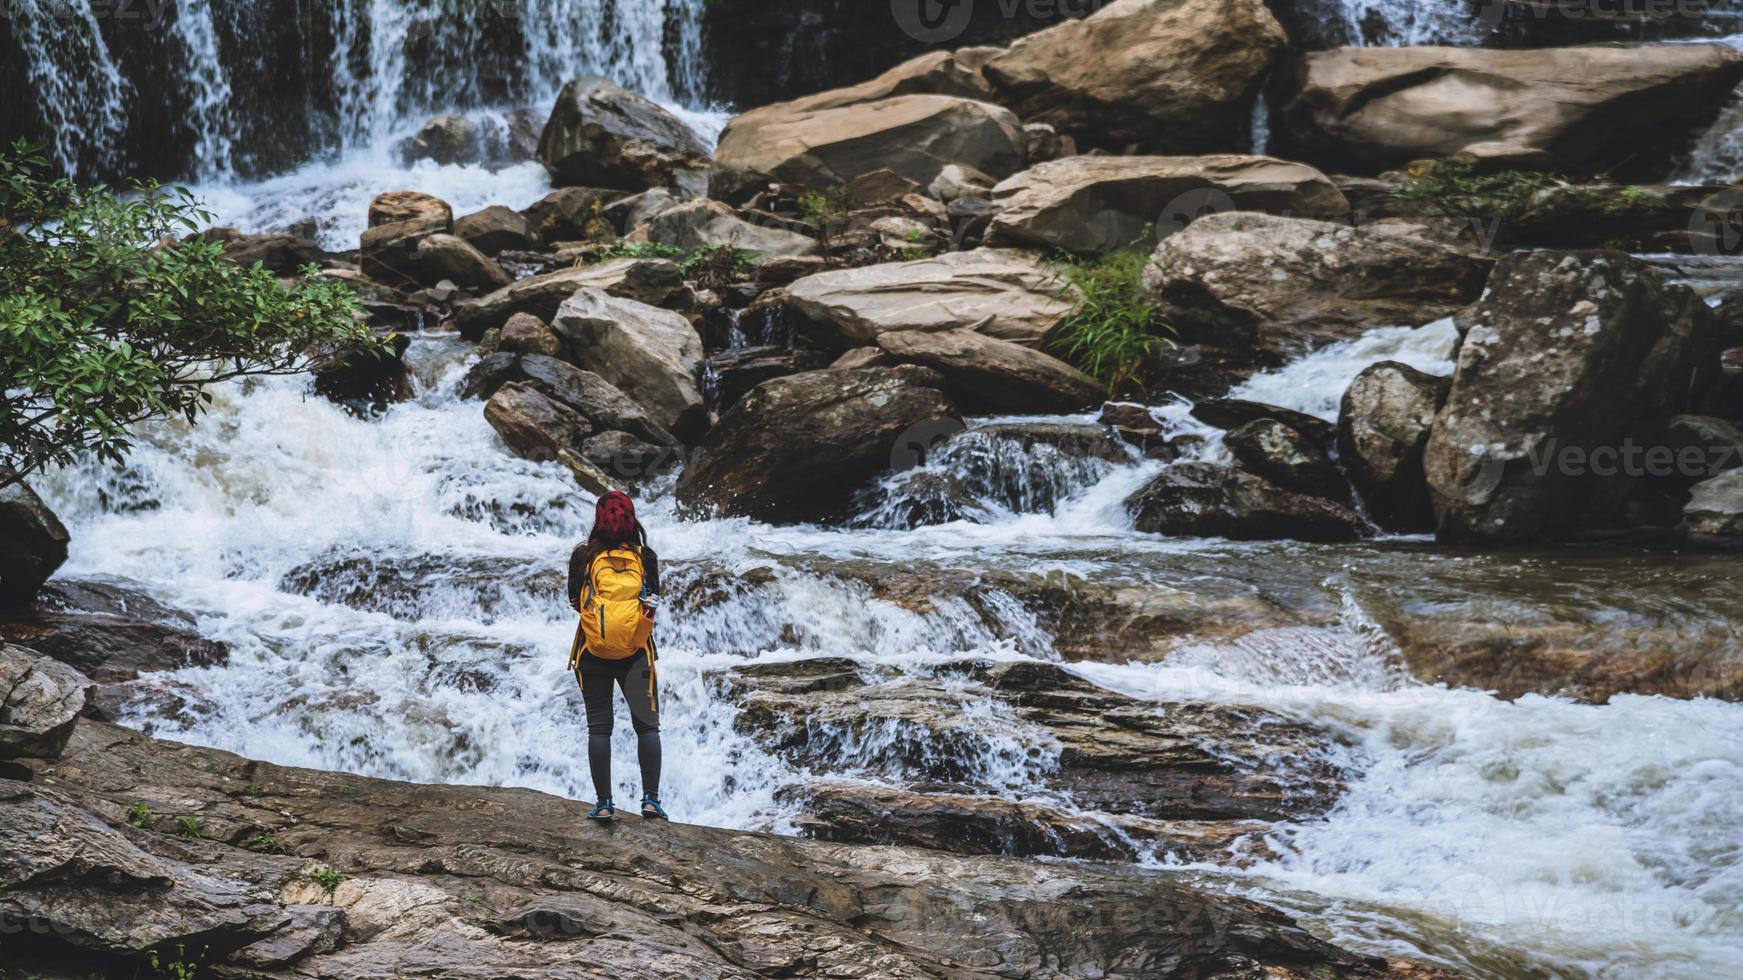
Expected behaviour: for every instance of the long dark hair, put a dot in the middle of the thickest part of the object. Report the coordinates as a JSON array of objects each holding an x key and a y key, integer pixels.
[{"x": 598, "y": 543}]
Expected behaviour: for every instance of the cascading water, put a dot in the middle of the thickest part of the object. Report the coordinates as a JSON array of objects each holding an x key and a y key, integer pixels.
[
  {"x": 208, "y": 93},
  {"x": 376, "y": 70},
  {"x": 80, "y": 93},
  {"x": 390, "y": 594}
]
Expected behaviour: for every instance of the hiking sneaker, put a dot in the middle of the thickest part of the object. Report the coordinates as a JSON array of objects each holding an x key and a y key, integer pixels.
[
  {"x": 651, "y": 808},
  {"x": 603, "y": 811}
]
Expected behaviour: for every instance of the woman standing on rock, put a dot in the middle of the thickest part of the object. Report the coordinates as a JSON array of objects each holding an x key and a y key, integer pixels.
[{"x": 614, "y": 583}]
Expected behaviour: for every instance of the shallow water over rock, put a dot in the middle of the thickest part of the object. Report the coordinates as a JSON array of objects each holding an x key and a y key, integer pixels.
[{"x": 387, "y": 591}]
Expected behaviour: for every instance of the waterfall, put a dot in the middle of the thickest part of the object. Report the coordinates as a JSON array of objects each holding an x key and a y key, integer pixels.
[
  {"x": 208, "y": 92},
  {"x": 79, "y": 91},
  {"x": 344, "y": 76}
]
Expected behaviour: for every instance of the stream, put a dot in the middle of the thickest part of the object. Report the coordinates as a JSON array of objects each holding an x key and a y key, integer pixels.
[
  {"x": 389, "y": 593},
  {"x": 389, "y": 588}
]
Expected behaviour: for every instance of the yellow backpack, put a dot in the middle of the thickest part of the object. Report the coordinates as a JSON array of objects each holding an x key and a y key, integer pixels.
[{"x": 613, "y": 625}]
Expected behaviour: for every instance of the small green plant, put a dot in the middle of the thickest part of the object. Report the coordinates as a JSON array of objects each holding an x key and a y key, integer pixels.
[
  {"x": 826, "y": 207},
  {"x": 139, "y": 816},
  {"x": 1632, "y": 200},
  {"x": 264, "y": 843},
  {"x": 1113, "y": 332},
  {"x": 638, "y": 250},
  {"x": 180, "y": 968},
  {"x": 191, "y": 826},
  {"x": 709, "y": 266},
  {"x": 1453, "y": 188},
  {"x": 328, "y": 879},
  {"x": 717, "y": 265}
]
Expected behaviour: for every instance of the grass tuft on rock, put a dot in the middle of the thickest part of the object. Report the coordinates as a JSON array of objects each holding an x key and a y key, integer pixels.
[
  {"x": 1453, "y": 188},
  {"x": 328, "y": 879},
  {"x": 1113, "y": 332}
]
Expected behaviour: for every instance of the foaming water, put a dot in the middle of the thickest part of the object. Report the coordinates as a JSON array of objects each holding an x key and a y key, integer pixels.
[
  {"x": 336, "y": 192},
  {"x": 390, "y": 590},
  {"x": 1315, "y": 383}
]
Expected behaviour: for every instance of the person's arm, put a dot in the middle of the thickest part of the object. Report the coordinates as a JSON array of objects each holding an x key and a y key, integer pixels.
[
  {"x": 577, "y": 577},
  {"x": 651, "y": 570}
]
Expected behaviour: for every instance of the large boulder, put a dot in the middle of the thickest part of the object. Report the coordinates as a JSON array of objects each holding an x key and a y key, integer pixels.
[
  {"x": 281, "y": 254},
  {"x": 1715, "y": 506},
  {"x": 1569, "y": 359},
  {"x": 729, "y": 374},
  {"x": 33, "y": 542},
  {"x": 603, "y": 135},
  {"x": 1574, "y": 110},
  {"x": 1208, "y": 500},
  {"x": 399, "y": 221},
  {"x": 534, "y": 425},
  {"x": 796, "y": 448},
  {"x": 652, "y": 355},
  {"x": 1286, "y": 457},
  {"x": 656, "y": 282},
  {"x": 1005, "y": 294},
  {"x": 363, "y": 378},
  {"x": 993, "y": 375},
  {"x": 455, "y": 259},
  {"x": 1383, "y": 426},
  {"x": 495, "y": 229},
  {"x": 40, "y": 701},
  {"x": 572, "y": 214},
  {"x": 710, "y": 224},
  {"x": 598, "y": 400},
  {"x": 1101, "y": 203},
  {"x": 449, "y": 138},
  {"x": 1168, "y": 76},
  {"x": 1269, "y": 284},
  {"x": 915, "y": 136}
]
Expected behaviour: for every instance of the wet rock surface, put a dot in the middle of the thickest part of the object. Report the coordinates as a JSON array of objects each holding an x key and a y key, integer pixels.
[
  {"x": 34, "y": 545},
  {"x": 111, "y": 631},
  {"x": 797, "y": 447},
  {"x": 1209, "y": 500},
  {"x": 1096, "y": 204},
  {"x": 40, "y": 699},
  {"x": 1092, "y": 751},
  {"x": 1265, "y": 283},
  {"x": 1581, "y": 352},
  {"x": 1383, "y": 425},
  {"x": 475, "y": 881}
]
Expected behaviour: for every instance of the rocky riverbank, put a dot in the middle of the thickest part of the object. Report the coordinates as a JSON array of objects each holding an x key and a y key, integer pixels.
[
  {"x": 1424, "y": 510},
  {"x": 119, "y": 846}
]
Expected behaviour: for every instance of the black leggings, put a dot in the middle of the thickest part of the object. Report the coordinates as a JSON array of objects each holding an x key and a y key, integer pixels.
[{"x": 635, "y": 676}]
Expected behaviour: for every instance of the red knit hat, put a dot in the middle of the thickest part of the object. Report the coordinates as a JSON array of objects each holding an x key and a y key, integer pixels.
[{"x": 614, "y": 517}]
